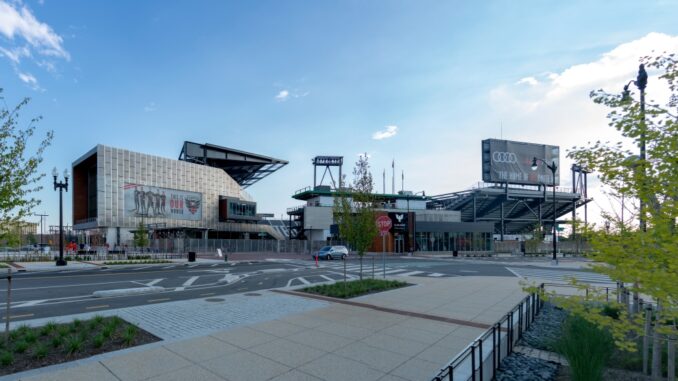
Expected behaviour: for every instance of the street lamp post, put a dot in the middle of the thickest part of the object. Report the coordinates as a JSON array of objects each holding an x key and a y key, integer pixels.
[
  {"x": 553, "y": 167},
  {"x": 61, "y": 186},
  {"x": 641, "y": 84}
]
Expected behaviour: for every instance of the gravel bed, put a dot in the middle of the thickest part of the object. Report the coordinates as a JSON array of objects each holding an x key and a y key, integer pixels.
[
  {"x": 546, "y": 328},
  {"x": 519, "y": 367}
]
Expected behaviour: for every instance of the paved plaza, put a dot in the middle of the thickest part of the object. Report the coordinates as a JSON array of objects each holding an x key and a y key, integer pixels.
[{"x": 275, "y": 336}]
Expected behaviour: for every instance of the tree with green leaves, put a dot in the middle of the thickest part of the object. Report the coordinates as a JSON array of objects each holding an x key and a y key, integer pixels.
[
  {"x": 643, "y": 257},
  {"x": 141, "y": 235},
  {"x": 19, "y": 175},
  {"x": 354, "y": 210}
]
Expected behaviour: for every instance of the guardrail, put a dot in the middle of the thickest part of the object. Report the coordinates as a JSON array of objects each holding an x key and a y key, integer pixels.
[{"x": 481, "y": 359}]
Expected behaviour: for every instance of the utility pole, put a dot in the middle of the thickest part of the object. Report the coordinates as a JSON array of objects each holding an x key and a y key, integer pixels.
[{"x": 42, "y": 216}]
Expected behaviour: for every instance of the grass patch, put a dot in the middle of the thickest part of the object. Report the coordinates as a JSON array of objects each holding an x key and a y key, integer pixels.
[
  {"x": 30, "y": 348},
  {"x": 586, "y": 347},
  {"x": 354, "y": 288},
  {"x": 137, "y": 262}
]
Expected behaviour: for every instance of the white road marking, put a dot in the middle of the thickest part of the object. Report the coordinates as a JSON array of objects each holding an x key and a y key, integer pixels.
[
  {"x": 180, "y": 289},
  {"x": 302, "y": 280},
  {"x": 393, "y": 271},
  {"x": 192, "y": 266},
  {"x": 215, "y": 265},
  {"x": 29, "y": 303},
  {"x": 190, "y": 281},
  {"x": 470, "y": 271},
  {"x": 169, "y": 267},
  {"x": 327, "y": 278},
  {"x": 411, "y": 273},
  {"x": 436, "y": 274},
  {"x": 140, "y": 268},
  {"x": 154, "y": 282}
]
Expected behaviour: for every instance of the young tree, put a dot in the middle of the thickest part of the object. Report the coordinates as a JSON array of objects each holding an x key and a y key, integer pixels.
[
  {"x": 19, "y": 174},
  {"x": 141, "y": 235},
  {"x": 646, "y": 259},
  {"x": 354, "y": 210}
]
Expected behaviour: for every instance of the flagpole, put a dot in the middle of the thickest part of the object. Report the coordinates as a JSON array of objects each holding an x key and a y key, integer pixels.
[{"x": 393, "y": 177}]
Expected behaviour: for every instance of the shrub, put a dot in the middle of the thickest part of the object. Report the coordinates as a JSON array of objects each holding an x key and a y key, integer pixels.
[
  {"x": 57, "y": 341},
  {"x": 107, "y": 331},
  {"x": 611, "y": 311},
  {"x": 40, "y": 352},
  {"x": 586, "y": 347},
  {"x": 23, "y": 329},
  {"x": 129, "y": 335},
  {"x": 98, "y": 340},
  {"x": 30, "y": 337},
  {"x": 73, "y": 344},
  {"x": 63, "y": 330},
  {"x": 20, "y": 346},
  {"x": 98, "y": 319},
  {"x": 45, "y": 330},
  {"x": 6, "y": 358},
  {"x": 14, "y": 335}
]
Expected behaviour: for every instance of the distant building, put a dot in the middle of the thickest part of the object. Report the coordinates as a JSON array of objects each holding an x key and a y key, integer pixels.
[{"x": 200, "y": 195}]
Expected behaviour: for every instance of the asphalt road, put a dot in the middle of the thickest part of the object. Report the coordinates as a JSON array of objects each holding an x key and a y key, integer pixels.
[{"x": 57, "y": 293}]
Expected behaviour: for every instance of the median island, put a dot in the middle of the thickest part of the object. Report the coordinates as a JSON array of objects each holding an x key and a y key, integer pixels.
[{"x": 346, "y": 290}]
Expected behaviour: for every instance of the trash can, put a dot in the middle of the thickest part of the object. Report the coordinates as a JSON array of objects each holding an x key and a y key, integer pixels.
[
  {"x": 455, "y": 253},
  {"x": 225, "y": 258},
  {"x": 191, "y": 256}
]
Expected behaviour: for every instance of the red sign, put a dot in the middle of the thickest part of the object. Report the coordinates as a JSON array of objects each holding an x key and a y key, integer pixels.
[{"x": 383, "y": 224}]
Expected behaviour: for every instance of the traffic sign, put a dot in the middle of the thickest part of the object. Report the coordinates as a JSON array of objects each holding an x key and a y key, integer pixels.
[{"x": 384, "y": 225}]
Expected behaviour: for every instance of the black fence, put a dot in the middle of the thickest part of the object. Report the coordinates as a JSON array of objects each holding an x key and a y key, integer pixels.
[{"x": 481, "y": 359}]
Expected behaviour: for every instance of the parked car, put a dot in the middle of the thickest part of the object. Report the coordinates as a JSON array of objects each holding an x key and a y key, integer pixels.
[{"x": 331, "y": 252}]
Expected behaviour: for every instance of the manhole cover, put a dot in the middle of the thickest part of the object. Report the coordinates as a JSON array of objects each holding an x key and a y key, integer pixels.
[
  {"x": 214, "y": 300},
  {"x": 252, "y": 294}
]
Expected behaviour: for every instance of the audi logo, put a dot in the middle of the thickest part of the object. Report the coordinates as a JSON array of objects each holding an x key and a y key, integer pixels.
[{"x": 504, "y": 157}]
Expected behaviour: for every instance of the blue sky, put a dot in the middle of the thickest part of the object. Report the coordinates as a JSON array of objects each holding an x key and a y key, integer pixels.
[{"x": 293, "y": 79}]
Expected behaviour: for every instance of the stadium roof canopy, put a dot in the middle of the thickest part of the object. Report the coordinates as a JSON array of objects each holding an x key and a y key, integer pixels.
[
  {"x": 244, "y": 167},
  {"x": 513, "y": 210}
]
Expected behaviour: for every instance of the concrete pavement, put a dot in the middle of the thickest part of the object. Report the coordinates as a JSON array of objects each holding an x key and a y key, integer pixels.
[{"x": 326, "y": 341}]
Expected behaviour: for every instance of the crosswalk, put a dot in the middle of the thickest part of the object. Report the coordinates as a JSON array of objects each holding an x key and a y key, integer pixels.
[
  {"x": 561, "y": 276},
  {"x": 379, "y": 269}
]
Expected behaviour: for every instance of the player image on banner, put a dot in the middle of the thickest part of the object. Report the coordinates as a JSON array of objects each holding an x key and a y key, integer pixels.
[{"x": 148, "y": 201}]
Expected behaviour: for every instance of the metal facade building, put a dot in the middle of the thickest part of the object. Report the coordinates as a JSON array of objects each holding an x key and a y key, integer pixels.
[{"x": 115, "y": 189}]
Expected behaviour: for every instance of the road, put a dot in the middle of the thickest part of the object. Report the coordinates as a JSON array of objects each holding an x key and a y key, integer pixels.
[{"x": 57, "y": 293}]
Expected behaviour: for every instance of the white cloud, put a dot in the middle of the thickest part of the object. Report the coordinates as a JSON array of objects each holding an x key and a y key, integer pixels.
[
  {"x": 558, "y": 110},
  {"x": 389, "y": 132},
  {"x": 282, "y": 96},
  {"x": 528, "y": 81},
  {"x": 28, "y": 78},
  {"x": 22, "y": 23},
  {"x": 28, "y": 38},
  {"x": 15, "y": 54}
]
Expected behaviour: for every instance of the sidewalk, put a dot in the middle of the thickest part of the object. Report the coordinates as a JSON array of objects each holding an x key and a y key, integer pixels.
[{"x": 374, "y": 337}]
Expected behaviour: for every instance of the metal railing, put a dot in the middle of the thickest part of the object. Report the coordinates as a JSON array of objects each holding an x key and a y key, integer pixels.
[{"x": 480, "y": 360}]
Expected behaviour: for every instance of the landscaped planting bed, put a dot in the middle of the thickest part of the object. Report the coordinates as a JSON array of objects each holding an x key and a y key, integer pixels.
[
  {"x": 29, "y": 348},
  {"x": 137, "y": 262},
  {"x": 354, "y": 288}
]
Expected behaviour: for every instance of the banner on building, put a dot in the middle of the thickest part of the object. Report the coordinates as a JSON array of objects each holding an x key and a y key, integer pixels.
[{"x": 148, "y": 201}]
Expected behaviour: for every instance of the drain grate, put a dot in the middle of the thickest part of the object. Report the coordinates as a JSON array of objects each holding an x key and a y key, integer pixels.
[{"x": 214, "y": 300}]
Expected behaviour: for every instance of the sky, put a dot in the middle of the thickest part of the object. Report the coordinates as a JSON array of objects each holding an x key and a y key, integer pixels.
[{"x": 418, "y": 83}]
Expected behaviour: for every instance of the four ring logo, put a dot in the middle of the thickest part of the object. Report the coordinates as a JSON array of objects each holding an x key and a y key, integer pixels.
[{"x": 504, "y": 157}]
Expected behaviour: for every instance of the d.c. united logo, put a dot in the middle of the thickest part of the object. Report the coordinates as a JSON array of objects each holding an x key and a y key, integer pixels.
[{"x": 192, "y": 204}]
